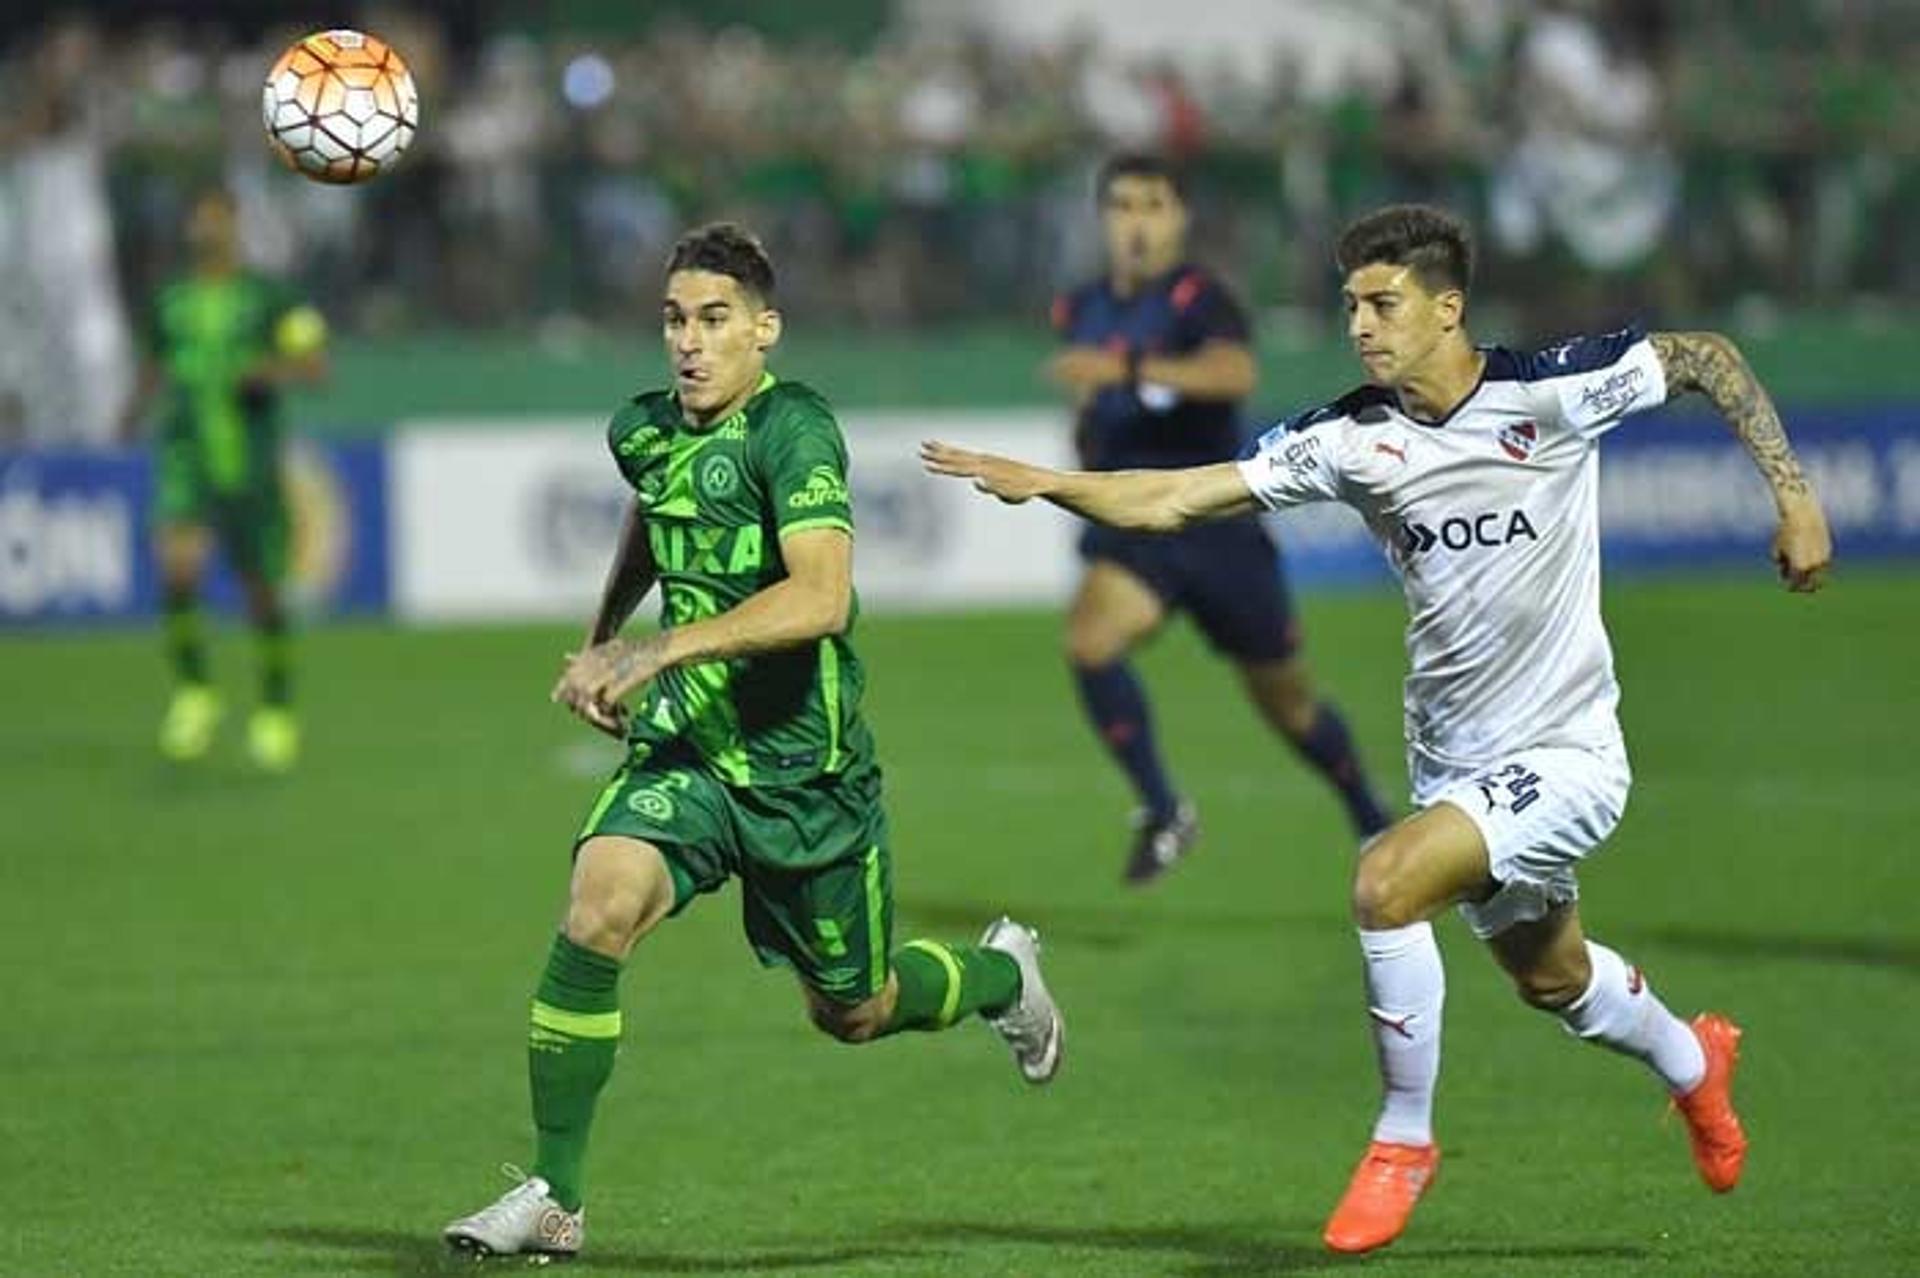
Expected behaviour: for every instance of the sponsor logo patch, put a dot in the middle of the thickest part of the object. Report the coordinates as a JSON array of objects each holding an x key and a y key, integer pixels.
[
  {"x": 1458, "y": 532},
  {"x": 824, "y": 487},
  {"x": 1613, "y": 392}
]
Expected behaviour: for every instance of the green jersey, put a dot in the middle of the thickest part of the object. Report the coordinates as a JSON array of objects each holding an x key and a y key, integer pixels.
[
  {"x": 716, "y": 501},
  {"x": 205, "y": 333}
]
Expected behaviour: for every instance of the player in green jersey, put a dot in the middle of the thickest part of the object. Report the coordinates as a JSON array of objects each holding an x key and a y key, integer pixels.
[
  {"x": 222, "y": 341},
  {"x": 748, "y": 756}
]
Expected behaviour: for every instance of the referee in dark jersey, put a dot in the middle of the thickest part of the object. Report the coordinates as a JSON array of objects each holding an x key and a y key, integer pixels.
[{"x": 1157, "y": 360}]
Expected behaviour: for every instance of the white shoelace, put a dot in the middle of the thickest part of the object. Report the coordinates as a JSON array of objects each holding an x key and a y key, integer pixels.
[{"x": 503, "y": 1211}]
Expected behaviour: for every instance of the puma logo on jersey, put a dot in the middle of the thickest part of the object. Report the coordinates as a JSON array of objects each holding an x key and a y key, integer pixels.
[
  {"x": 1458, "y": 532},
  {"x": 1392, "y": 450}
]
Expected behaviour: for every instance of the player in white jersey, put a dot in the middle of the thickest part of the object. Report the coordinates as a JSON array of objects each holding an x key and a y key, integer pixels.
[{"x": 1476, "y": 468}]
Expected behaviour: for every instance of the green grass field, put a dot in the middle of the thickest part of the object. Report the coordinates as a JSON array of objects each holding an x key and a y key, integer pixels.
[{"x": 277, "y": 1027}]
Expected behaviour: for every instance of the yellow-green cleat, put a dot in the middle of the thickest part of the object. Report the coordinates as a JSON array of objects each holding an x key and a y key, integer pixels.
[
  {"x": 186, "y": 733},
  {"x": 273, "y": 739}
]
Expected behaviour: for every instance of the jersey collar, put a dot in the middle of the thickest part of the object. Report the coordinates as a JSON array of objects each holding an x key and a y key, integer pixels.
[
  {"x": 1486, "y": 363},
  {"x": 1152, "y": 286}
]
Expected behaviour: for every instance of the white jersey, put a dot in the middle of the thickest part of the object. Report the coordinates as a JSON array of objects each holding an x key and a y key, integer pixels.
[{"x": 1490, "y": 518}]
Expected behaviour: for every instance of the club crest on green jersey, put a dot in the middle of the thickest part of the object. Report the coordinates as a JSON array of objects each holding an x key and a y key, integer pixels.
[
  {"x": 718, "y": 477},
  {"x": 654, "y": 804}
]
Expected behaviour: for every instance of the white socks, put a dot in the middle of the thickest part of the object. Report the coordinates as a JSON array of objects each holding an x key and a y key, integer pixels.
[
  {"x": 1405, "y": 988},
  {"x": 1619, "y": 1010}
]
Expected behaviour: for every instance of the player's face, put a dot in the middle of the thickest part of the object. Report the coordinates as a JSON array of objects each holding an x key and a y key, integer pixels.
[
  {"x": 717, "y": 336},
  {"x": 1395, "y": 323},
  {"x": 213, "y": 228},
  {"x": 1146, "y": 225}
]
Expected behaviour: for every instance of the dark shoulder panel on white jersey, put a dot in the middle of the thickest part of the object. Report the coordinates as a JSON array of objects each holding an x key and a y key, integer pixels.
[
  {"x": 1353, "y": 404},
  {"x": 1360, "y": 404},
  {"x": 1567, "y": 358}
]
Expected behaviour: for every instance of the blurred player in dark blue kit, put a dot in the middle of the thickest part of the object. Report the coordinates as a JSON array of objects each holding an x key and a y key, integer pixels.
[{"x": 1158, "y": 361}]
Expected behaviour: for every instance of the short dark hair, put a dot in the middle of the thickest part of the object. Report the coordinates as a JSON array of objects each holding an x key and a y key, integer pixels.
[
  {"x": 1138, "y": 164},
  {"x": 726, "y": 248},
  {"x": 1433, "y": 242}
]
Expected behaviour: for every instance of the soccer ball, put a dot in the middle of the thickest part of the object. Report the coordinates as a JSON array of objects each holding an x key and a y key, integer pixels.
[{"x": 339, "y": 106}]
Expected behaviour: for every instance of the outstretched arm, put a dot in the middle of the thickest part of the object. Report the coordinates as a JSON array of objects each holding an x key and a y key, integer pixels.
[
  {"x": 1143, "y": 500},
  {"x": 1712, "y": 365}
]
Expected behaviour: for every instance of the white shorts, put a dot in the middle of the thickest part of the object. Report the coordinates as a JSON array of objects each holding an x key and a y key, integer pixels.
[{"x": 1540, "y": 811}]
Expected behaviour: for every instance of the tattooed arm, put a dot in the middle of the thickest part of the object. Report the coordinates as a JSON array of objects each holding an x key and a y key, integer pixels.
[{"x": 1712, "y": 365}]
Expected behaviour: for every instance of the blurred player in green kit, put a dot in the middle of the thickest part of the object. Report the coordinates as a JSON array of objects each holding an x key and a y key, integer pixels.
[{"x": 221, "y": 343}]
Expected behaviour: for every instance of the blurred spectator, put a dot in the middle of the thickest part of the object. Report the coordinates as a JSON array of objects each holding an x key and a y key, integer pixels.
[
  {"x": 1627, "y": 151},
  {"x": 1590, "y": 187},
  {"x": 68, "y": 363}
]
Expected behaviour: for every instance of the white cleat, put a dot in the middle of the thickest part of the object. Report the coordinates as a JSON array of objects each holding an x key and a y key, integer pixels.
[
  {"x": 525, "y": 1221},
  {"x": 1032, "y": 1027}
]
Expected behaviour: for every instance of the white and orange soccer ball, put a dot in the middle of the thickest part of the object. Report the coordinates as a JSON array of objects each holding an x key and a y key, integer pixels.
[{"x": 340, "y": 106}]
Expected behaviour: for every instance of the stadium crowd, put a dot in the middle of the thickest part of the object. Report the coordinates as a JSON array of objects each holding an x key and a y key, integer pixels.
[{"x": 934, "y": 170}]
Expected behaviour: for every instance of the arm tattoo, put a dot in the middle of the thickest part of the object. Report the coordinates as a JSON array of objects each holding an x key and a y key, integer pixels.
[{"x": 1713, "y": 365}]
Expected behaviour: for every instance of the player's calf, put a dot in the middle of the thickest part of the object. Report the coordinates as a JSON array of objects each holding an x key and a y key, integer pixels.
[
  {"x": 1552, "y": 989},
  {"x": 853, "y": 1023}
]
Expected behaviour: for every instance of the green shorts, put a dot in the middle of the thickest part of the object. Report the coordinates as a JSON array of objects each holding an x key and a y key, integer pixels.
[
  {"x": 250, "y": 521},
  {"x": 816, "y": 878}
]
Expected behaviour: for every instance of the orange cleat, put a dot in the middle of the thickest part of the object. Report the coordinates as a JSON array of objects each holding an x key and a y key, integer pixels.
[
  {"x": 1719, "y": 1145},
  {"x": 1381, "y": 1195}
]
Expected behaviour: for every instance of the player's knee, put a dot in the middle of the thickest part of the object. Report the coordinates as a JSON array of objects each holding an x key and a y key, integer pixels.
[
  {"x": 605, "y": 920},
  {"x": 1298, "y": 712},
  {"x": 1383, "y": 895},
  {"x": 1089, "y": 647},
  {"x": 859, "y": 1023},
  {"x": 263, "y": 601}
]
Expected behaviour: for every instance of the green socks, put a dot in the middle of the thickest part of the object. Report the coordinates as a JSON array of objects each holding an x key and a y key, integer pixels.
[
  {"x": 941, "y": 984},
  {"x": 276, "y": 662},
  {"x": 187, "y": 648},
  {"x": 186, "y": 637},
  {"x": 570, "y": 1050},
  {"x": 575, "y": 1033}
]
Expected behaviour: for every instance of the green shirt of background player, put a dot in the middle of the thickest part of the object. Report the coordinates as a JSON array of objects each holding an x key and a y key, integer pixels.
[
  {"x": 748, "y": 757},
  {"x": 222, "y": 341}
]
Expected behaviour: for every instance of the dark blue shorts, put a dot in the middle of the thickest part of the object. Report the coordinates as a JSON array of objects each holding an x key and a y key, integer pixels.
[{"x": 1228, "y": 575}]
